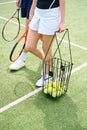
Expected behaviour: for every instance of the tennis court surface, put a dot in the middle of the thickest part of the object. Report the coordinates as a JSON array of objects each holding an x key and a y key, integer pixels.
[{"x": 25, "y": 107}]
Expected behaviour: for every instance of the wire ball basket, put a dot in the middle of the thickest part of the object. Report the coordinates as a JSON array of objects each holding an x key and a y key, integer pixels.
[{"x": 56, "y": 82}]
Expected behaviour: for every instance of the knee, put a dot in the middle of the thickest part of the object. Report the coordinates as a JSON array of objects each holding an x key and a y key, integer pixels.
[
  {"x": 29, "y": 48},
  {"x": 44, "y": 47},
  {"x": 47, "y": 51}
]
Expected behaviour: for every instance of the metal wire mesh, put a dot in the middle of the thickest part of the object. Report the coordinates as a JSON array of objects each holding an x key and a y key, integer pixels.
[{"x": 55, "y": 83}]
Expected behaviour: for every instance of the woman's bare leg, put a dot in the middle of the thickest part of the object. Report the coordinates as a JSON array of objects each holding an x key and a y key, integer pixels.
[
  {"x": 47, "y": 48},
  {"x": 31, "y": 44},
  {"x": 46, "y": 41}
]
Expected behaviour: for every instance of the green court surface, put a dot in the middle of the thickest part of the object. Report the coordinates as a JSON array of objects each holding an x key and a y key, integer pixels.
[{"x": 25, "y": 107}]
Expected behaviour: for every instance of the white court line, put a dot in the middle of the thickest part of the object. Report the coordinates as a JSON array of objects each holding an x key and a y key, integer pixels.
[
  {"x": 7, "y": 2},
  {"x": 35, "y": 91},
  {"x": 19, "y": 100},
  {"x": 76, "y": 45},
  {"x": 11, "y": 21},
  {"x": 79, "y": 68}
]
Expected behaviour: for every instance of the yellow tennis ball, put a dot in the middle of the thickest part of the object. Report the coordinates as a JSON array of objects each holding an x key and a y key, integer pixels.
[
  {"x": 49, "y": 90},
  {"x": 45, "y": 90},
  {"x": 59, "y": 88},
  {"x": 62, "y": 91},
  {"x": 54, "y": 90},
  {"x": 54, "y": 94},
  {"x": 50, "y": 83},
  {"x": 64, "y": 87},
  {"x": 59, "y": 85},
  {"x": 54, "y": 84},
  {"x": 46, "y": 85},
  {"x": 58, "y": 93}
]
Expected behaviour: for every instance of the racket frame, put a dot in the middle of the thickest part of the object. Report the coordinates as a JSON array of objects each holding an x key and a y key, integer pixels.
[
  {"x": 16, "y": 44},
  {"x": 18, "y": 19}
]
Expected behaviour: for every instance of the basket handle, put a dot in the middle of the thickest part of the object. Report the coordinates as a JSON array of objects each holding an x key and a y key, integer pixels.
[{"x": 58, "y": 44}]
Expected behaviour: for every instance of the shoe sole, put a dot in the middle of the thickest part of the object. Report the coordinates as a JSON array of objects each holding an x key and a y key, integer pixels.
[{"x": 17, "y": 68}]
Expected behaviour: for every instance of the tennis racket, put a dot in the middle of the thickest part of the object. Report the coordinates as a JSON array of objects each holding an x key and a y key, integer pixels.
[
  {"x": 11, "y": 27},
  {"x": 18, "y": 47}
]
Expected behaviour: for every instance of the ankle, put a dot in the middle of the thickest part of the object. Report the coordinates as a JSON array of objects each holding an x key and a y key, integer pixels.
[{"x": 22, "y": 57}]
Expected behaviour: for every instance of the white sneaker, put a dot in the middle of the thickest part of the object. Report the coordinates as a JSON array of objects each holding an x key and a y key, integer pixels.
[
  {"x": 40, "y": 82},
  {"x": 18, "y": 64},
  {"x": 43, "y": 70}
]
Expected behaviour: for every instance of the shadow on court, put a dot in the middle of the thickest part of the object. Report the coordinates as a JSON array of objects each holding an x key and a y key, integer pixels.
[
  {"x": 59, "y": 114},
  {"x": 28, "y": 80}
]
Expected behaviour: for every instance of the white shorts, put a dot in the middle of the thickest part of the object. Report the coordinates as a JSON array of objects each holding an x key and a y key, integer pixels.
[{"x": 45, "y": 21}]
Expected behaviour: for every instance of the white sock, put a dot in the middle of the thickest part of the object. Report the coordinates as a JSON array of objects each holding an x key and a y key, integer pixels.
[{"x": 22, "y": 56}]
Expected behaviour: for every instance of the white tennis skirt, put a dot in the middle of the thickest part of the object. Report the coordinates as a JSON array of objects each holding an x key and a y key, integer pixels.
[{"x": 45, "y": 21}]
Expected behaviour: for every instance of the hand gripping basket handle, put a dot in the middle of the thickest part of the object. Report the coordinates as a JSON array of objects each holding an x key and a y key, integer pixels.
[{"x": 58, "y": 44}]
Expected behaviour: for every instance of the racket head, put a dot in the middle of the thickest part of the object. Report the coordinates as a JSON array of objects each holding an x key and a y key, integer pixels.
[
  {"x": 16, "y": 51},
  {"x": 18, "y": 47},
  {"x": 11, "y": 28}
]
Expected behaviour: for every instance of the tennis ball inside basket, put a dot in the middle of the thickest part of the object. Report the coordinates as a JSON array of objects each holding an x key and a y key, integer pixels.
[
  {"x": 50, "y": 84},
  {"x": 65, "y": 88},
  {"x": 59, "y": 85},
  {"x": 54, "y": 92},
  {"x": 45, "y": 90},
  {"x": 62, "y": 90},
  {"x": 49, "y": 90},
  {"x": 58, "y": 93},
  {"x": 54, "y": 84}
]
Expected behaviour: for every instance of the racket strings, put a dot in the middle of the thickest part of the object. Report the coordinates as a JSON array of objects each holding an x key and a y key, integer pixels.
[
  {"x": 11, "y": 28},
  {"x": 18, "y": 47}
]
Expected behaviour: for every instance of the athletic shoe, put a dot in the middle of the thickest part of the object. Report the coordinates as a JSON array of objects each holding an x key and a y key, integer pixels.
[
  {"x": 40, "y": 82},
  {"x": 43, "y": 69},
  {"x": 18, "y": 64}
]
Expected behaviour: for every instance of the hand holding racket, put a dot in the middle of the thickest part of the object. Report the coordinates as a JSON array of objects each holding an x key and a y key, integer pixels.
[
  {"x": 11, "y": 28},
  {"x": 18, "y": 47}
]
